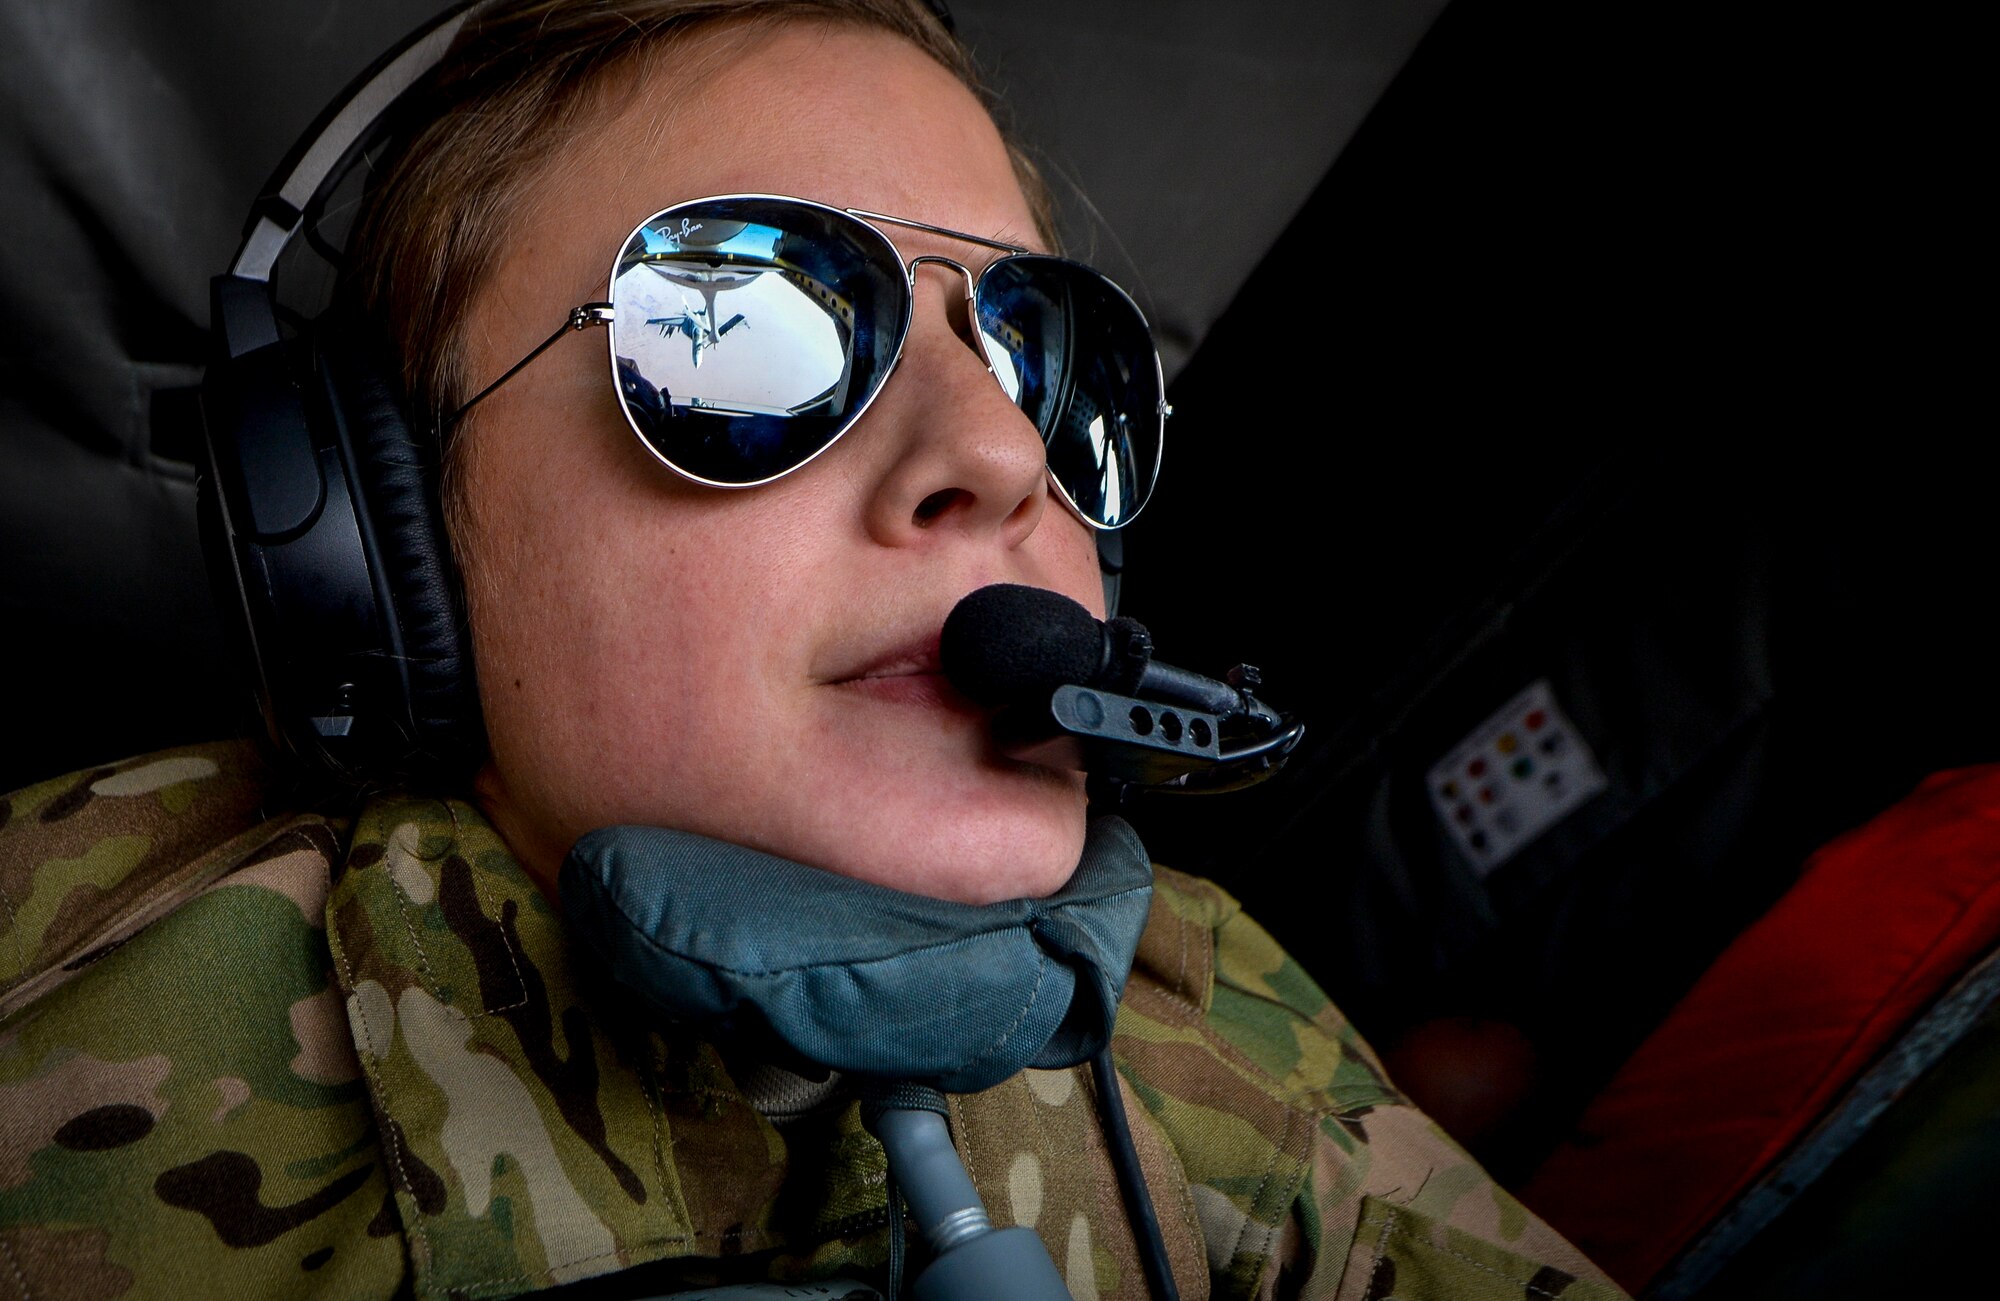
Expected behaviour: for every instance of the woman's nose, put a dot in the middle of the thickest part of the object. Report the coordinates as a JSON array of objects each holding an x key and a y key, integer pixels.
[{"x": 960, "y": 454}]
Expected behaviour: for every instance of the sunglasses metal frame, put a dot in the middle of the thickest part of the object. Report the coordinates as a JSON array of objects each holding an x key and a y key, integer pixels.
[{"x": 587, "y": 315}]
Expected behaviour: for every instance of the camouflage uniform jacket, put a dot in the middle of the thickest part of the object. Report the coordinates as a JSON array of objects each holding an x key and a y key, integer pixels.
[{"x": 246, "y": 1054}]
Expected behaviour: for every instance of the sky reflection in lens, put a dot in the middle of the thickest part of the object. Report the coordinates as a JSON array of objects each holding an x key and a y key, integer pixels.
[{"x": 704, "y": 306}]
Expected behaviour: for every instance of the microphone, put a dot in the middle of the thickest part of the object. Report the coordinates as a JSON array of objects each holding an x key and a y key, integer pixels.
[
  {"x": 1078, "y": 693},
  {"x": 1006, "y": 642}
]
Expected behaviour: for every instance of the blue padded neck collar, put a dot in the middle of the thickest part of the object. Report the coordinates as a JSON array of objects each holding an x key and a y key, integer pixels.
[{"x": 858, "y": 977}]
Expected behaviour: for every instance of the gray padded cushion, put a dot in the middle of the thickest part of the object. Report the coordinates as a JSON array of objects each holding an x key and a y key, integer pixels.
[{"x": 134, "y": 134}]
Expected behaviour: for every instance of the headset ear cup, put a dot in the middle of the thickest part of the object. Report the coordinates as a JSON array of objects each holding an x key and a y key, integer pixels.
[{"x": 396, "y": 480}]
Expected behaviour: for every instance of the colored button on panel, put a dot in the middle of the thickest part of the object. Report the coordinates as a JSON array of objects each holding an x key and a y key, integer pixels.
[
  {"x": 1477, "y": 768},
  {"x": 1507, "y": 743},
  {"x": 1533, "y": 722},
  {"x": 1523, "y": 767}
]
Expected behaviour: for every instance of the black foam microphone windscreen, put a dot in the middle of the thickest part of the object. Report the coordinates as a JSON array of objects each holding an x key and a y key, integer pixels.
[{"x": 1007, "y": 642}]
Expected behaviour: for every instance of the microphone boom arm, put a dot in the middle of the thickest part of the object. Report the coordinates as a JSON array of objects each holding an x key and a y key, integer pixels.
[{"x": 1147, "y": 745}]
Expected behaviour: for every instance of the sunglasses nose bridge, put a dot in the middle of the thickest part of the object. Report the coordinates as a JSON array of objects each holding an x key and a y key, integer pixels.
[
  {"x": 969, "y": 331},
  {"x": 938, "y": 259}
]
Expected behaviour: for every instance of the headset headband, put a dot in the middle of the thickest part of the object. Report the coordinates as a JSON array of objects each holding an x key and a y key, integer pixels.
[{"x": 347, "y": 123}]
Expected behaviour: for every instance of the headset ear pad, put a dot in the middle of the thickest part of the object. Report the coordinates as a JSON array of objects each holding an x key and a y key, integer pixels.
[{"x": 395, "y": 476}]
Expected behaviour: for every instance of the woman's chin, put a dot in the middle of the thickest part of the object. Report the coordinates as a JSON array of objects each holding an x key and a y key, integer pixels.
[
  {"x": 933, "y": 814},
  {"x": 1018, "y": 848}
]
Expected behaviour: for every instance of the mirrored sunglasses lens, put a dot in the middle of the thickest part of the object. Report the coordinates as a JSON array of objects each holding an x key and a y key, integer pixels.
[
  {"x": 748, "y": 333},
  {"x": 1077, "y": 357}
]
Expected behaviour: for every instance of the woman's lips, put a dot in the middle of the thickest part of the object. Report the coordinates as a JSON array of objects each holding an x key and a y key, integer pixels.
[
  {"x": 929, "y": 690},
  {"x": 916, "y": 660},
  {"x": 909, "y": 674}
]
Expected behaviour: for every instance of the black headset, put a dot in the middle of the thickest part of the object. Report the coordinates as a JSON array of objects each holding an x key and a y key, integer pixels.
[{"x": 319, "y": 507}]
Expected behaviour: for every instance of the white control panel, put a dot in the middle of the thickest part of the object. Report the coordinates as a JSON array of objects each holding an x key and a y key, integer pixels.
[{"x": 1519, "y": 773}]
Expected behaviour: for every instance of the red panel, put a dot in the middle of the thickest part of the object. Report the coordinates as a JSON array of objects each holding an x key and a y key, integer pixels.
[{"x": 1882, "y": 921}]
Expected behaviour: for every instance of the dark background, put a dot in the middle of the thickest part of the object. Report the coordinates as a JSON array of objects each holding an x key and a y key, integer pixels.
[
  {"x": 1612, "y": 350},
  {"x": 1179, "y": 137}
]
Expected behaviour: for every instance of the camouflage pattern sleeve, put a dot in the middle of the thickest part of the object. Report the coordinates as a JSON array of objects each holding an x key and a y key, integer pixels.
[
  {"x": 537, "y": 1131},
  {"x": 86, "y": 860},
  {"x": 1312, "y": 1174},
  {"x": 181, "y": 1112},
  {"x": 246, "y": 1055}
]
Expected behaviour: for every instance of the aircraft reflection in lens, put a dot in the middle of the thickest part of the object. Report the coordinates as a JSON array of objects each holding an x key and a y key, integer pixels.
[
  {"x": 694, "y": 323},
  {"x": 706, "y": 280}
]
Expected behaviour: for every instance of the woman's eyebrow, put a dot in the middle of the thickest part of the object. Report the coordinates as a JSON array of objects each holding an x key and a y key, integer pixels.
[{"x": 1006, "y": 234}]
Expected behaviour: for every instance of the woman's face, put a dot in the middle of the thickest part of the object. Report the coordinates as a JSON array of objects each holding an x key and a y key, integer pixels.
[{"x": 761, "y": 665}]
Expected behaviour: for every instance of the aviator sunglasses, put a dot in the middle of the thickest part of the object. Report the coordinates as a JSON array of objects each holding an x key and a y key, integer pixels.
[{"x": 748, "y": 332}]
